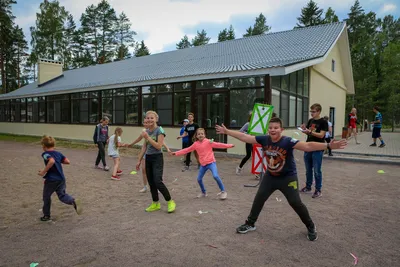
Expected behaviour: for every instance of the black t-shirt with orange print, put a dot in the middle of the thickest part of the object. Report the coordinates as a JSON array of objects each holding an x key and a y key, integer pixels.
[{"x": 317, "y": 126}]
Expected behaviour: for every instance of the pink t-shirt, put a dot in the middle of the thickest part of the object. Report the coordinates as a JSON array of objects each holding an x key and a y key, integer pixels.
[{"x": 204, "y": 150}]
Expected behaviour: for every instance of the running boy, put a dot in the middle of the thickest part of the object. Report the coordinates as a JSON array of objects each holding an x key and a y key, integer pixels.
[
  {"x": 154, "y": 140},
  {"x": 54, "y": 178},
  {"x": 204, "y": 148},
  {"x": 190, "y": 131},
  {"x": 281, "y": 171}
]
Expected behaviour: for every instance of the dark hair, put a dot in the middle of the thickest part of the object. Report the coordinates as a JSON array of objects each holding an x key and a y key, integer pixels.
[
  {"x": 316, "y": 106},
  {"x": 276, "y": 120},
  {"x": 273, "y": 115},
  {"x": 249, "y": 118},
  {"x": 326, "y": 118},
  {"x": 376, "y": 108}
]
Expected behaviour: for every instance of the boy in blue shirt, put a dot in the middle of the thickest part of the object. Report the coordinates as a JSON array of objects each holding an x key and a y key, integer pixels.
[
  {"x": 281, "y": 171},
  {"x": 376, "y": 131},
  {"x": 54, "y": 178}
]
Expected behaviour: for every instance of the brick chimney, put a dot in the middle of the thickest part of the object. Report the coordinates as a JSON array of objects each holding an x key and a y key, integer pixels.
[{"x": 49, "y": 70}]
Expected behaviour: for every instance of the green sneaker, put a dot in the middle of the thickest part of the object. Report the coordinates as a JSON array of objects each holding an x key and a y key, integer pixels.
[
  {"x": 154, "y": 207},
  {"x": 171, "y": 206}
]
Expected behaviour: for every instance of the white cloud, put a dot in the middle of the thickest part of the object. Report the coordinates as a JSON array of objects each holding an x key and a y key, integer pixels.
[
  {"x": 388, "y": 8},
  {"x": 162, "y": 22}
]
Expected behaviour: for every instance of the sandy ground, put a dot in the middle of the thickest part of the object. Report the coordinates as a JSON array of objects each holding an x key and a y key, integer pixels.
[{"x": 358, "y": 213}]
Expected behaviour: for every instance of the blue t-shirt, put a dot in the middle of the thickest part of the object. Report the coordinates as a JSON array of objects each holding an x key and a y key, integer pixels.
[
  {"x": 55, "y": 173},
  {"x": 186, "y": 138},
  {"x": 279, "y": 155},
  {"x": 378, "y": 116}
]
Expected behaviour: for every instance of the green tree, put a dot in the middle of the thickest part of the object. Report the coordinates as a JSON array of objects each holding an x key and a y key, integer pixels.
[
  {"x": 20, "y": 55},
  {"x": 260, "y": 27},
  {"x": 124, "y": 36},
  {"x": 330, "y": 16},
  {"x": 48, "y": 32},
  {"x": 107, "y": 26},
  {"x": 311, "y": 15},
  {"x": 90, "y": 22},
  {"x": 226, "y": 34},
  {"x": 68, "y": 46},
  {"x": 141, "y": 50},
  {"x": 201, "y": 38},
  {"x": 183, "y": 43}
]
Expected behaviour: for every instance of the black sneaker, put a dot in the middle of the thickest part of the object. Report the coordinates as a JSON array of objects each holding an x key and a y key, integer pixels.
[
  {"x": 317, "y": 194},
  {"x": 45, "y": 218},
  {"x": 245, "y": 228},
  {"x": 305, "y": 190},
  {"x": 382, "y": 145},
  {"x": 77, "y": 206},
  {"x": 312, "y": 233},
  {"x": 330, "y": 155},
  {"x": 372, "y": 144}
]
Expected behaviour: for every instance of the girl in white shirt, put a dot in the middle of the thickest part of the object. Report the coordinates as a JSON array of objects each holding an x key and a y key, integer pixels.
[{"x": 113, "y": 151}]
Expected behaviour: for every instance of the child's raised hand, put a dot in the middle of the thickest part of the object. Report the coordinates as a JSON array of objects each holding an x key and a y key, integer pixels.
[{"x": 221, "y": 129}]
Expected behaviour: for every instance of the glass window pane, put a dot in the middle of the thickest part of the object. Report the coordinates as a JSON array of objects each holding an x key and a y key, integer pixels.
[
  {"x": 211, "y": 84},
  {"x": 285, "y": 108},
  {"x": 29, "y": 111},
  {"x": 276, "y": 101},
  {"x": 293, "y": 83},
  {"x": 132, "y": 91},
  {"x": 119, "y": 92},
  {"x": 164, "y": 109},
  {"x": 292, "y": 111},
  {"x": 242, "y": 103},
  {"x": 119, "y": 110},
  {"x": 23, "y": 110},
  {"x": 94, "y": 94},
  {"x": 276, "y": 82},
  {"x": 305, "y": 110},
  {"x": 107, "y": 108},
  {"x": 50, "y": 111},
  {"x": 247, "y": 82},
  {"x": 65, "y": 109},
  {"x": 84, "y": 111},
  {"x": 75, "y": 111},
  {"x": 107, "y": 93},
  {"x": 42, "y": 112},
  {"x": 300, "y": 82},
  {"x": 94, "y": 110},
  {"x": 285, "y": 82},
  {"x": 132, "y": 109},
  {"x": 148, "y": 103},
  {"x": 182, "y": 87},
  {"x": 181, "y": 107},
  {"x": 164, "y": 88},
  {"x": 149, "y": 89},
  {"x": 306, "y": 83},
  {"x": 299, "y": 112}
]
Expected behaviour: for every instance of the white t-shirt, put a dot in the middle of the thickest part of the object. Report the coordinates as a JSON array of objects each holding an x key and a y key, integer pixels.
[
  {"x": 112, "y": 149},
  {"x": 328, "y": 134}
]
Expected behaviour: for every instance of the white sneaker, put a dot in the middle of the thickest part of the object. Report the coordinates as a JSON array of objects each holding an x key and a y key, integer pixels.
[
  {"x": 143, "y": 190},
  {"x": 238, "y": 170},
  {"x": 202, "y": 195},
  {"x": 106, "y": 168},
  {"x": 222, "y": 195}
]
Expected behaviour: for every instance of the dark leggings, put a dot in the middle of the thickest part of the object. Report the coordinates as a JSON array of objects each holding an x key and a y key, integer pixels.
[
  {"x": 188, "y": 160},
  {"x": 154, "y": 172},
  {"x": 328, "y": 140},
  {"x": 102, "y": 153},
  {"x": 288, "y": 185},
  {"x": 249, "y": 148}
]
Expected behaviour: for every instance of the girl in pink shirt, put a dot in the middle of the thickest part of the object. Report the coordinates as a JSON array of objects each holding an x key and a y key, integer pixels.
[{"x": 204, "y": 147}]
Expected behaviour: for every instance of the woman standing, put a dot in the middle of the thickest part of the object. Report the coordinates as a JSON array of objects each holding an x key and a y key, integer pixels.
[
  {"x": 100, "y": 138},
  {"x": 353, "y": 124}
]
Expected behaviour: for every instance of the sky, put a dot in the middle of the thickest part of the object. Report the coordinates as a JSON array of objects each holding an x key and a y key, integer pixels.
[{"x": 162, "y": 23}]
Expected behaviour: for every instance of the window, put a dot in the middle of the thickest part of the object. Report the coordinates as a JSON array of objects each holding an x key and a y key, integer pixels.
[
  {"x": 148, "y": 103},
  {"x": 212, "y": 84},
  {"x": 305, "y": 110},
  {"x": 15, "y": 110},
  {"x": 181, "y": 107},
  {"x": 306, "y": 85},
  {"x": 113, "y": 104},
  {"x": 285, "y": 82},
  {"x": 164, "y": 109},
  {"x": 132, "y": 106},
  {"x": 23, "y": 110},
  {"x": 333, "y": 65},
  {"x": 58, "y": 109},
  {"x": 242, "y": 102},
  {"x": 41, "y": 109},
  {"x": 276, "y": 82},
  {"x": 4, "y": 110},
  {"x": 94, "y": 107},
  {"x": 80, "y": 108},
  {"x": 292, "y": 113},
  {"x": 276, "y": 101},
  {"x": 246, "y": 82},
  {"x": 299, "y": 112},
  {"x": 285, "y": 108},
  {"x": 300, "y": 82},
  {"x": 160, "y": 99},
  {"x": 29, "y": 109},
  {"x": 293, "y": 84}
]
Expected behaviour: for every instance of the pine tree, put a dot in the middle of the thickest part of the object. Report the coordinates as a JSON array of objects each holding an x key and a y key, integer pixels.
[
  {"x": 311, "y": 15},
  {"x": 19, "y": 55},
  {"x": 260, "y": 27},
  {"x": 141, "y": 50},
  {"x": 69, "y": 34},
  {"x": 226, "y": 34},
  {"x": 124, "y": 35},
  {"x": 90, "y": 23},
  {"x": 330, "y": 16},
  {"x": 48, "y": 32},
  {"x": 183, "y": 43},
  {"x": 201, "y": 38},
  {"x": 107, "y": 25}
]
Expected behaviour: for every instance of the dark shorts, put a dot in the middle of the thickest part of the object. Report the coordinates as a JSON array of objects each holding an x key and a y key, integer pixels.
[{"x": 376, "y": 132}]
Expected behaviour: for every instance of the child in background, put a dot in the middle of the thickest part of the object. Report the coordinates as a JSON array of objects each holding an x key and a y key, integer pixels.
[
  {"x": 114, "y": 143},
  {"x": 185, "y": 140},
  {"x": 100, "y": 138},
  {"x": 54, "y": 178},
  {"x": 204, "y": 147},
  {"x": 154, "y": 141}
]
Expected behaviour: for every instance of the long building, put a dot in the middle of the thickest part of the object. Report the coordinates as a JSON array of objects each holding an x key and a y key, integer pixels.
[{"x": 219, "y": 82}]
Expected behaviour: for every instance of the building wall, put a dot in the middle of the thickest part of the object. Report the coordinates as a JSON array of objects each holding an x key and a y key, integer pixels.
[
  {"x": 85, "y": 133},
  {"x": 327, "y": 88}
]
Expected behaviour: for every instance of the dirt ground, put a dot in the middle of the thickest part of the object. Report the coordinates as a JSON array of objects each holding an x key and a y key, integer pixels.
[{"x": 358, "y": 213}]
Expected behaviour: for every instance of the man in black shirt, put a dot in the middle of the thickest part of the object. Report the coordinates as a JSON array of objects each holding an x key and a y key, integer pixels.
[
  {"x": 315, "y": 130},
  {"x": 190, "y": 130}
]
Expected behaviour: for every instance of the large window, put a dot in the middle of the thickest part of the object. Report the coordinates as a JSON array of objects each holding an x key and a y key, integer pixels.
[
  {"x": 29, "y": 110},
  {"x": 4, "y": 110},
  {"x": 16, "y": 110},
  {"x": 23, "y": 109},
  {"x": 241, "y": 104},
  {"x": 58, "y": 109},
  {"x": 132, "y": 106},
  {"x": 182, "y": 102},
  {"x": 80, "y": 108},
  {"x": 94, "y": 107},
  {"x": 41, "y": 107}
]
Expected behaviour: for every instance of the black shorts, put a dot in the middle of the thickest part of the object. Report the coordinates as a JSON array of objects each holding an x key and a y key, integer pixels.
[{"x": 376, "y": 132}]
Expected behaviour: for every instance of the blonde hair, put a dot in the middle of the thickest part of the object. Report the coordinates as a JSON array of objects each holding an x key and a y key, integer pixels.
[
  {"x": 194, "y": 139},
  {"x": 117, "y": 133},
  {"x": 152, "y": 112},
  {"x": 48, "y": 141}
]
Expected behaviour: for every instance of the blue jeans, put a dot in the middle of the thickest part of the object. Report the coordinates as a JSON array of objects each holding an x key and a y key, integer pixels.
[
  {"x": 313, "y": 161},
  {"x": 54, "y": 186},
  {"x": 213, "y": 168}
]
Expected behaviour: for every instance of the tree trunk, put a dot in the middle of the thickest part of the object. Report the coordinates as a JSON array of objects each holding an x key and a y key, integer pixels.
[{"x": 3, "y": 73}]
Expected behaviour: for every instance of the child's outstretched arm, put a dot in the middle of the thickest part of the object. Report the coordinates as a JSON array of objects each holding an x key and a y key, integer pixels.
[
  {"x": 49, "y": 164},
  {"x": 141, "y": 154},
  {"x": 316, "y": 146},
  {"x": 185, "y": 150},
  {"x": 65, "y": 161},
  {"x": 136, "y": 141},
  {"x": 165, "y": 145},
  {"x": 238, "y": 135},
  {"x": 221, "y": 145}
]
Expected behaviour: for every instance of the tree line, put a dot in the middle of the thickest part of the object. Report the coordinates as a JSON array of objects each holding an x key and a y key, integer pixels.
[{"x": 105, "y": 36}]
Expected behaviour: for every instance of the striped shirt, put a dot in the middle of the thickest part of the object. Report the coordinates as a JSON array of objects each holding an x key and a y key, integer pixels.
[{"x": 378, "y": 117}]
